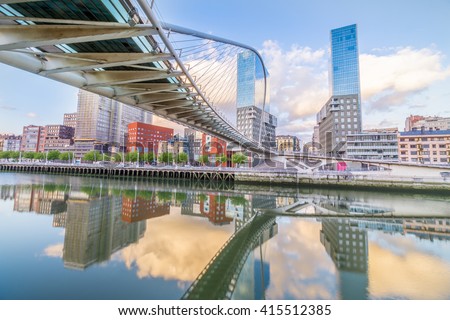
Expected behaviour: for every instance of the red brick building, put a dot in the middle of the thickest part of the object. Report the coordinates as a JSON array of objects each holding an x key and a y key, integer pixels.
[
  {"x": 145, "y": 137},
  {"x": 214, "y": 208},
  {"x": 138, "y": 209},
  {"x": 213, "y": 147}
]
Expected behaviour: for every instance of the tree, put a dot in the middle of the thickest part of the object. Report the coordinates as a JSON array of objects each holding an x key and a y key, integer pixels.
[
  {"x": 148, "y": 156},
  {"x": 165, "y": 157},
  {"x": 239, "y": 158},
  {"x": 29, "y": 155},
  {"x": 66, "y": 156},
  {"x": 221, "y": 158},
  {"x": 203, "y": 159},
  {"x": 182, "y": 157},
  {"x": 92, "y": 156},
  {"x": 131, "y": 156},
  {"x": 53, "y": 155},
  {"x": 117, "y": 157},
  {"x": 6, "y": 154},
  {"x": 15, "y": 154},
  {"x": 39, "y": 155}
]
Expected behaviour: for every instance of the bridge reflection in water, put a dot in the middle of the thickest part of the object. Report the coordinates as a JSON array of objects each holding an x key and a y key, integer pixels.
[{"x": 219, "y": 278}]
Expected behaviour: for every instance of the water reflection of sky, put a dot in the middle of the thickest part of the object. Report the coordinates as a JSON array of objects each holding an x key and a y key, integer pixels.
[
  {"x": 299, "y": 265},
  {"x": 398, "y": 266}
]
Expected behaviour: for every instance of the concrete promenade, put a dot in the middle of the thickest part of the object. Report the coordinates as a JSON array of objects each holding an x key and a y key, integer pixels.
[{"x": 350, "y": 180}]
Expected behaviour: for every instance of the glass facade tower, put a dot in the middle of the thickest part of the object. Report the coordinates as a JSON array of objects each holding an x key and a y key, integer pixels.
[
  {"x": 251, "y": 120},
  {"x": 250, "y": 82},
  {"x": 344, "y": 75}
]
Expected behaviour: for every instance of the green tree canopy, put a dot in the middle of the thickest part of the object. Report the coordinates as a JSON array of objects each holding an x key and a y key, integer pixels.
[
  {"x": 92, "y": 156},
  {"x": 117, "y": 157},
  {"x": 148, "y": 156},
  {"x": 29, "y": 155},
  {"x": 182, "y": 157},
  {"x": 15, "y": 154},
  {"x": 165, "y": 157},
  {"x": 221, "y": 158},
  {"x": 53, "y": 155},
  {"x": 203, "y": 159},
  {"x": 39, "y": 155},
  {"x": 5, "y": 154},
  {"x": 239, "y": 158},
  {"x": 66, "y": 156},
  {"x": 132, "y": 156}
]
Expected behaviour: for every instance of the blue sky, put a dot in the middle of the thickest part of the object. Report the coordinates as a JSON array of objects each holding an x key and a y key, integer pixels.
[{"x": 404, "y": 59}]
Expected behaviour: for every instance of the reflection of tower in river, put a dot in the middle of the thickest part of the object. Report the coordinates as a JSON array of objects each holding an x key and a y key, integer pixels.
[
  {"x": 347, "y": 245},
  {"x": 95, "y": 230}
]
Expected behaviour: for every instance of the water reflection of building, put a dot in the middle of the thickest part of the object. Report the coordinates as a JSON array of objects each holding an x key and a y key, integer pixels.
[
  {"x": 139, "y": 208},
  {"x": 239, "y": 208},
  {"x": 7, "y": 192},
  {"x": 430, "y": 229},
  {"x": 95, "y": 230},
  {"x": 43, "y": 200},
  {"x": 59, "y": 220},
  {"x": 347, "y": 245},
  {"x": 214, "y": 207}
]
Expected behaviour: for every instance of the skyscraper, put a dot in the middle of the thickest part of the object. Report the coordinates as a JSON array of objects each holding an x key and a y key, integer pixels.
[
  {"x": 341, "y": 114},
  {"x": 250, "y": 101},
  {"x": 104, "y": 120},
  {"x": 344, "y": 75},
  {"x": 250, "y": 82}
]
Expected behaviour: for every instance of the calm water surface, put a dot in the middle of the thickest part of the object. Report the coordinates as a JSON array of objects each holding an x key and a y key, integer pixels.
[{"x": 86, "y": 238}]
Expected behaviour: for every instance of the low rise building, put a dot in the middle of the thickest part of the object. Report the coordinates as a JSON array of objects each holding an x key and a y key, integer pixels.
[
  {"x": 10, "y": 142},
  {"x": 425, "y": 146},
  {"x": 146, "y": 137},
  {"x": 377, "y": 144},
  {"x": 58, "y": 137},
  {"x": 287, "y": 143},
  {"x": 32, "y": 139}
]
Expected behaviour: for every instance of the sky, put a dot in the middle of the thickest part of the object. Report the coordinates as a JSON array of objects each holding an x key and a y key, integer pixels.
[{"x": 404, "y": 59}]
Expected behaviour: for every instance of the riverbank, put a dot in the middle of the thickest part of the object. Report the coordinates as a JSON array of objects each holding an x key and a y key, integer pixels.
[{"x": 369, "y": 180}]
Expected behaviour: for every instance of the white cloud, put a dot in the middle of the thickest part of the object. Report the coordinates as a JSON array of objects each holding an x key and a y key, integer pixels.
[
  {"x": 31, "y": 115},
  {"x": 298, "y": 82},
  {"x": 55, "y": 250},
  {"x": 175, "y": 247},
  {"x": 390, "y": 80}
]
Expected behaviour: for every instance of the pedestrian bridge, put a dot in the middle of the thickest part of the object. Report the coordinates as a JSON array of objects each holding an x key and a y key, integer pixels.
[{"x": 122, "y": 50}]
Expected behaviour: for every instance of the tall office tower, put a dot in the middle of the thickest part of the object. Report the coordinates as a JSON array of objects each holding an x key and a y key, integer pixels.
[
  {"x": 344, "y": 75},
  {"x": 105, "y": 120},
  {"x": 250, "y": 99},
  {"x": 341, "y": 114}
]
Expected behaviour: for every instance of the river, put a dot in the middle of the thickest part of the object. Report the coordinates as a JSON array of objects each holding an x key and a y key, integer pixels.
[{"x": 66, "y": 237}]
